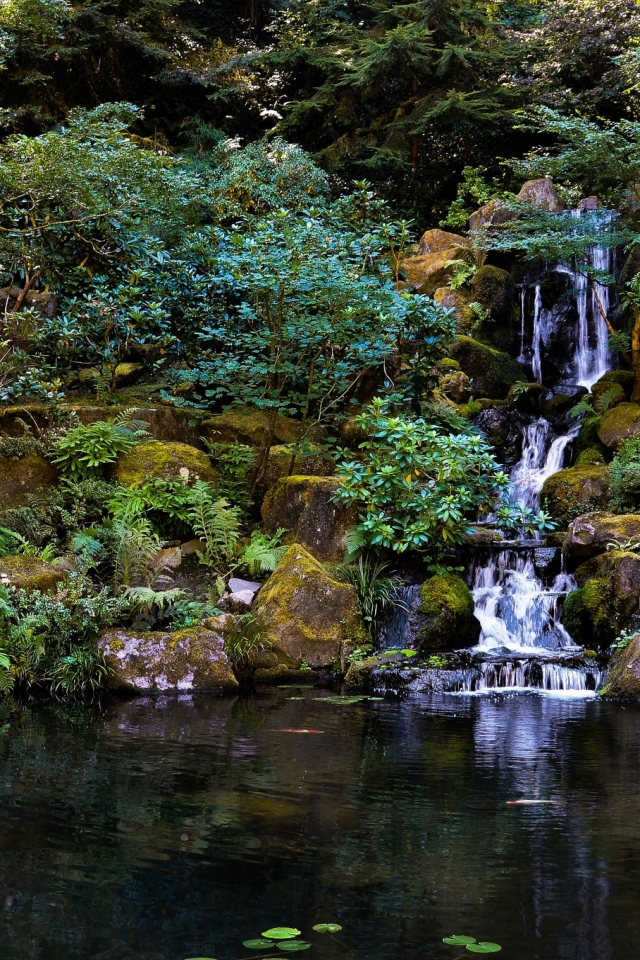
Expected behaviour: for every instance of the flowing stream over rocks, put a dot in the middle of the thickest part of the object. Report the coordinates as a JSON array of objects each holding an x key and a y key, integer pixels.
[{"x": 519, "y": 589}]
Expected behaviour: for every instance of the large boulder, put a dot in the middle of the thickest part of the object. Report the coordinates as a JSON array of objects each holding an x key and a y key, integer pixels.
[
  {"x": 503, "y": 431},
  {"x": 445, "y": 620},
  {"x": 542, "y": 195},
  {"x": 580, "y": 489},
  {"x": 304, "y": 506},
  {"x": 150, "y": 461},
  {"x": 492, "y": 214},
  {"x": 458, "y": 301},
  {"x": 623, "y": 677},
  {"x": 29, "y": 574},
  {"x": 23, "y": 476},
  {"x": 247, "y": 425},
  {"x": 589, "y": 534},
  {"x": 427, "y": 273},
  {"x": 491, "y": 372},
  {"x": 313, "y": 461},
  {"x": 606, "y": 598},
  {"x": 435, "y": 241},
  {"x": 192, "y": 659},
  {"x": 619, "y": 423},
  {"x": 494, "y": 290},
  {"x": 165, "y": 422},
  {"x": 311, "y": 618}
]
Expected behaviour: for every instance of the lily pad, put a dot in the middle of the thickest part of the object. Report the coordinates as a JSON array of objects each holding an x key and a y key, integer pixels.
[
  {"x": 259, "y": 944},
  {"x": 290, "y": 946},
  {"x": 281, "y": 933},
  {"x": 345, "y": 699},
  {"x": 327, "y": 927},
  {"x": 484, "y": 947},
  {"x": 457, "y": 941}
]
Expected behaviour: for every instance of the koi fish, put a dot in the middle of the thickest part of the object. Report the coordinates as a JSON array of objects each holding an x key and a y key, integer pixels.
[
  {"x": 292, "y": 730},
  {"x": 528, "y": 803}
]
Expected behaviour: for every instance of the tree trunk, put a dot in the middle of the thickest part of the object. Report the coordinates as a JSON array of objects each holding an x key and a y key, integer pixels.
[
  {"x": 635, "y": 359},
  {"x": 260, "y": 466}
]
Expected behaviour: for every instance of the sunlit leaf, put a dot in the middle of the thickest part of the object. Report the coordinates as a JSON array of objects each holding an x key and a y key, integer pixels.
[
  {"x": 458, "y": 941},
  {"x": 484, "y": 947},
  {"x": 327, "y": 927},
  {"x": 258, "y": 944},
  {"x": 281, "y": 933},
  {"x": 290, "y": 946}
]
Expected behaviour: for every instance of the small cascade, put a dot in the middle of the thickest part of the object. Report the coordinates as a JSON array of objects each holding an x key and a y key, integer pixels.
[
  {"x": 591, "y": 359},
  {"x": 528, "y": 675},
  {"x": 542, "y": 455}
]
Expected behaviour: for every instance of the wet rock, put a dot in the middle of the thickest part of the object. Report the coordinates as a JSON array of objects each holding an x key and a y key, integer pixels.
[
  {"x": 310, "y": 617},
  {"x": 20, "y": 477},
  {"x": 446, "y": 620},
  {"x": 589, "y": 534},
  {"x": 608, "y": 395},
  {"x": 525, "y": 398},
  {"x": 456, "y": 386},
  {"x": 490, "y": 371},
  {"x": 247, "y": 426},
  {"x": 620, "y": 423},
  {"x": 580, "y": 489},
  {"x": 305, "y": 508},
  {"x": 542, "y": 195},
  {"x": 494, "y": 290},
  {"x": 29, "y": 574},
  {"x": 493, "y": 213},
  {"x": 623, "y": 678},
  {"x": 503, "y": 431},
  {"x": 435, "y": 241},
  {"x": 149, "y": 461},
  {"x": 192, "y": 659},
  {"x": 606, "y": 598},
  {"x": 427, "y": 273}
]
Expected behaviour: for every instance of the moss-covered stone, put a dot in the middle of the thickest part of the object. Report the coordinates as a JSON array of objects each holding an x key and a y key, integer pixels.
[
  {"x": 589, "y": 534},
  {"x": 618, "y": 424},
  {"x": 30, "y": 573},
  {"x": 247, "y": 425},
  {"x": 580, "y": 489},
  {"x": 427, "y": 273},
  {"x": 304, "y": 507},
  {"x": 192, "y": 659},
  {"x": 128, "y": 373},
  {"x": 446, "y": 620},
  {"x": 526, "y": 401},
  {"x": 606, "y": 598},
  {"x": 491, "y": 372},
  {"x": 310, "y": 617},
  {"x": 493, "y": 213},
  {"x": 608, "y": 394},
  {"x": 589, "y": 457},
  {"x": 623, "y": 377},
  {"x": 24, "y": 476},
  {"x": 494, "y": 290},
  {"x": 163, "y": 460},
  {"x": 314, "y": 460},
  {"x": 458, "y": 301},
  {"x": 623, "y": 677},
  {"x": 558, "y": 405},
  {"x": 435, "y": 241},
  {"x": 456, "y": 386}
]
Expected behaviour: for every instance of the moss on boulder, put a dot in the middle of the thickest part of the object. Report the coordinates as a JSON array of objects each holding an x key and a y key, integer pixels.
[
  {"x": 458, "y": 301},
  {"x": 314, "y": 460},
  {"x": 304, "y": 507},
  {"x": 590, "y": 457},
  {"x": 606, "y": 599},
  {"x": 310, "y": 617},
  {"x": 435, "y": 241},
  {"x": 151, "y": 461},
  {"x": 21, "y": 477},
  {"x": 623, "y": 677},
  {"x": 494, "y": 290},
  {"x": 247, "y": 425},
  {"x": 618, "y": 424},
  {"x": 493, "y": 213},
  {"x": 445, "y": 620},
  {"x": 192, "y": 659},
  {"x": 580, "y": 489},
  {"x": 614, "y": 393},
  {"x": 29, "y": 574},
  {"x": 590, "y": 533},
  {"x": 542, "y": 195},
  {"x": 490, "y": 371}
]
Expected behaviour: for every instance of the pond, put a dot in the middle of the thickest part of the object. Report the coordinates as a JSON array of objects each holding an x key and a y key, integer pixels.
[{"x": 170, "y": 828}]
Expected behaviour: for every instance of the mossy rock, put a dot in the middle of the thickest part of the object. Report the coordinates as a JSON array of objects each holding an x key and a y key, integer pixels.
[
  {"x": 606, "y": 598},
  {"x": 458, "y": 301},
  {"x": 580, "y": 489},
  {"x": 446, "y": 620},
  {"x": 558, "y": 405},
  {"x": 493, "y": 213},
  {"x": 590, "y": 457},
  {"x": 27, "y": 475},
  {"x": 491, "y": 372},
  {"x": 435, "y": 241},
  {"x": 625, "y": 378},
  {"x": 494, "y": 290},
  {"x": 427, "y": 273},
  {"x": 456, "y": 386},
  {"x": 589, "y": 534},
  {"x": 191, "y": 659},
  {"x": 310, "y": 617},
  {"x": 247, "y": 425},
  {"x": 313, "y": 461},
  {"x": 525, "y": 401},
  {"x": 623, "y": 676},
  {"x": 614, "y": 393},
  {"x": 351, "y": 433},
  {"x": 304, "y": 507},
  {"x": 29, "y": 574},
  {"x": 618, "y": 424},
  {"x": 150, "y": 461}
]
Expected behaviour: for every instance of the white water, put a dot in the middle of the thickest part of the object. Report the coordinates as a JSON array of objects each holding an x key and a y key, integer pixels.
[
  {"x": 518, "y": 675},
  {"x": 591, "y": 360}
]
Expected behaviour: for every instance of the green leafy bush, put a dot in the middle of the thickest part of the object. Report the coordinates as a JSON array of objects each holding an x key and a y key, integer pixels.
[
  {"x": 625, "y": 476},
  {"x": 83, "y": 451},
  {"x": 377, "y": 587}
]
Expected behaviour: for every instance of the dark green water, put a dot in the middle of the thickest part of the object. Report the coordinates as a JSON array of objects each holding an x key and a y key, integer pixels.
[{"x": 173, "y": 828}]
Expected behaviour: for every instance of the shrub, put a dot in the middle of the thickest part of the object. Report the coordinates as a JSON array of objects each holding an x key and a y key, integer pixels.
[
  {"x": 625, "y": 476},
  {"x": 84, "y": 450},
  {"x": 377, "y": 587}
]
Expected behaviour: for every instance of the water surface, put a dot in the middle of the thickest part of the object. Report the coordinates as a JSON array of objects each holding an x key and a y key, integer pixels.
[{"x": 168, "y": 828}]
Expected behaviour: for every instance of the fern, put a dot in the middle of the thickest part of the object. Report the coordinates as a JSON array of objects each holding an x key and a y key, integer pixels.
[
  {"x": 217, "y": 524},
  {"x": 263, "y": 553},
  {"x": 84, "y": 450},
  {"x": 356, "y": 541},
  {"x": 135, "y": 555},
  {"x": 88, "y": 551},
  {"x": 143, "y": 599}
]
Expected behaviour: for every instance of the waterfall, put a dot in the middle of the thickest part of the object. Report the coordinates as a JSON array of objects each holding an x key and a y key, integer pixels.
[
  {"x": 536, "y": 359},
  {"x": 591, "y": 360},
  {"x": 529, "y": 674}
]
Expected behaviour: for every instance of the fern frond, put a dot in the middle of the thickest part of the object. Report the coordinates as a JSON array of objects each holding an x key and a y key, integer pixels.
[
  {"x": 217, "y": 524},
  {"x": 355, "y": 542}
]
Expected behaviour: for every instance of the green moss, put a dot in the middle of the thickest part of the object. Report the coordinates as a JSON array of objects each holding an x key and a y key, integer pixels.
[
  {"x": 21, "y": 477},
  {"x": 587, "y": 614},
  {"x": 606, "y": 599},
  {"x": 580, "y": 489},
  {"x": 624, "y": 377},
  {"x": 30, "y": 573},
  {"x": 446, "y": 620},
  {"x": 447, "y": 365},
  {"x": 247, "y": 425},
  {"x": 623, "y": 677},
  {"x": 590, "y": 457},
  {"x": 163, "y": 460},
  {"x": 618, "y": 424},
  {"x": 491, "y": 371},
  {"x": 304, "y": 506}
]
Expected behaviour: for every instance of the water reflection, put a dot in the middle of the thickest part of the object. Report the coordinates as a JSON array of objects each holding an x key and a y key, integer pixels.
[{"x": 169, "y": 828}]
